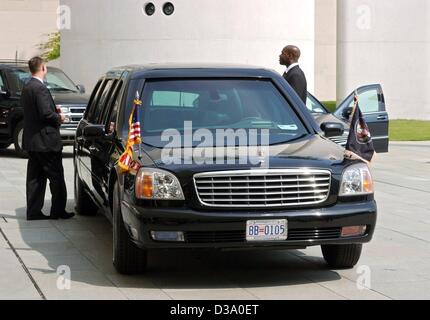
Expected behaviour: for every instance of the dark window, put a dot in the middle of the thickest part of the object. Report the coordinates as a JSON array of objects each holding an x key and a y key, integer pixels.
[
  {"x": 111, "y": 115},
  {"x": 96, "y": 111},
  {"x": 2, "y": 83},
  {"x": 93, "y": 100}
]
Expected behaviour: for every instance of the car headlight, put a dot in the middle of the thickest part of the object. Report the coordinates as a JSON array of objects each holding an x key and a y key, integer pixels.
[
  {"x": 155, "y": 184},
  {"x": 356, "y": 180},
  {"x": 65, "y": 110}
]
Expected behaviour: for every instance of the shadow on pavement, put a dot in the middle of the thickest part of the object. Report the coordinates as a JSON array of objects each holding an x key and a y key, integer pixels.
[{"x": 85, "y": 244}]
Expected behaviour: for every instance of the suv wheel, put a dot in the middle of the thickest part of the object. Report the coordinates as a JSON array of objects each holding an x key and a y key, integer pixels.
[
  {"x": 127, "y": 258},
  {"x": 342, "y": 256},
  {"x": 17, "y": 140},
  {"x": 85, "y": 206}
]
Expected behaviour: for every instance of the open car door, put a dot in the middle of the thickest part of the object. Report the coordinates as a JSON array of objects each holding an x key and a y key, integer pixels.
[{"x": 372, "y": 105}]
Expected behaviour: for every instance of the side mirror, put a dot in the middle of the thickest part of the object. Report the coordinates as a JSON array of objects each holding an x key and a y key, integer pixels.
[
  {"x": 81, "y": 88},
  {"x": 92, "y": 132},
  {"x": 346, "y": 113},
  {"x": 332, "y": 129},
  {"x": 4, "y": 93}
]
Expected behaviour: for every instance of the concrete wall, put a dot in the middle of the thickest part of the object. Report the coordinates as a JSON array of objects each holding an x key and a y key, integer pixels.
[
  {"x": 108, "y": 33},
  {"x": 387, "y": 42},
  {"x": 24, "y": 24},
  {"x": 325, "y": 49}
]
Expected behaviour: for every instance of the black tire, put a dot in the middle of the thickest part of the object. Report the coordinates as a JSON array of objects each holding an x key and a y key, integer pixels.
[
  {"x": 342, "y": 256},
  {"x": 127, "y": 257},
  {"x": 17, "y": 140},
  {"x": 4, "y": 145},
  {"x": 84, "y": 205}
]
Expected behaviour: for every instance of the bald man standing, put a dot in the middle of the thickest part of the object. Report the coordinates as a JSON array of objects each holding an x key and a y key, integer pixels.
[{"x": 294, "y": 75}]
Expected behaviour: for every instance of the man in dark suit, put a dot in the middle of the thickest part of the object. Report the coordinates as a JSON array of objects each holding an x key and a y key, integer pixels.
[
  {"x": 294, "y": 75},
  {"x": 42, "y": 141}
]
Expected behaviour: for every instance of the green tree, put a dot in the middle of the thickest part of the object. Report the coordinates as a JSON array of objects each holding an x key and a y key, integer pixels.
[{"x": 52, "y": 47}]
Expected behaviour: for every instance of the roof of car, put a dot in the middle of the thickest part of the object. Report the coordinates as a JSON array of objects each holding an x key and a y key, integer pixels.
[{"x": 192, "y": 69}]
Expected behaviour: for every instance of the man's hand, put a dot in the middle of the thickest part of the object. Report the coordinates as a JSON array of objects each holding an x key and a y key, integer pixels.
[{"x": 62, "y": 117}]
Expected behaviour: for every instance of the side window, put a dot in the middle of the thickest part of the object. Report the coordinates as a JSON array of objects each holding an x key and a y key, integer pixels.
[
  {"x": 313, "y": 106},
  {"x": 93, "y": 100},
  {"x": 114, "y": 107},
  {"x": 368, "y": 101},
  {"x": 107, "y": 101},
  {"x": 2, "y": 84},
  {"x": 97, "y": 110}
]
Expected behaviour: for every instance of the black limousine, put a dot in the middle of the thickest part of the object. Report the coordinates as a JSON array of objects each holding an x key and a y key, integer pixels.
[{"x": 294, "y": 190}]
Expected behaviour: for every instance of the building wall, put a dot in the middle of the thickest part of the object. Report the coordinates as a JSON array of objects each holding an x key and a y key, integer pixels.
[
  {"x": 325, "y": 49},
  {"x": 386, "y": 42},
  {"x": 108, "y": 33},
  {"x": 24, "y": 24}
]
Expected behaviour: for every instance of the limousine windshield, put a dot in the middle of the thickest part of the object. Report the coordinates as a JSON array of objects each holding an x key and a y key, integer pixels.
[{"x": 218, "y": 104}]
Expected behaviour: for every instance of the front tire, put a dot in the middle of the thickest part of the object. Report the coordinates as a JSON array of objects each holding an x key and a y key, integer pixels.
[
  {"x": 17, "y": 140},
  {"x": 127, "y": 258},
  {"x": 342, "y": 256},
  {"x": 84, "y": 205}
]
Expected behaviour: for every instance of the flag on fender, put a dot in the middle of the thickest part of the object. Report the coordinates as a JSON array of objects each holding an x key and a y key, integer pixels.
[
  {"x": 360, "y": 143},
  {"x": 126, "y": 161}
]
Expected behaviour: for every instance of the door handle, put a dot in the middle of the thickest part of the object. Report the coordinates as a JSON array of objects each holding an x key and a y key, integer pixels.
[{"x": 382, "y": 118}]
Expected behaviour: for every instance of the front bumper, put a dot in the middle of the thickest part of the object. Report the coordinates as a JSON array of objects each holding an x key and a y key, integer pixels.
[
  {"x": 226, "y": 229},
  {"x": 68, "y": 136}
]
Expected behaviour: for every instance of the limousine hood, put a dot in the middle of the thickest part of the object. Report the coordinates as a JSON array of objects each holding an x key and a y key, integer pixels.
[{"x": 311, "y": 152}]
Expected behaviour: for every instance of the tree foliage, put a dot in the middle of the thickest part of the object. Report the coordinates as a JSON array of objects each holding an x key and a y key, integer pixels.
[{"x": 51, "y": 48}]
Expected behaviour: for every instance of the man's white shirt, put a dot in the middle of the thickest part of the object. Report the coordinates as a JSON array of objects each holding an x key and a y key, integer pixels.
[{"x": 291, "y": 67}]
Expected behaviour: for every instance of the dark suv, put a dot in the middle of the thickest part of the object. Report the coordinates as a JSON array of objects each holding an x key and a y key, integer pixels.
[
  {"x": 69, "y": 97},
  {"x": 295, "y": 189}
]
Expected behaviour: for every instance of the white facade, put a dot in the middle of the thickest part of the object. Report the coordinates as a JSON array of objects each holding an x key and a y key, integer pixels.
[
  {"x": 387, "y": 42},
  {"x": 24, "y": 24},
  {"x": 108, "y": 33}
]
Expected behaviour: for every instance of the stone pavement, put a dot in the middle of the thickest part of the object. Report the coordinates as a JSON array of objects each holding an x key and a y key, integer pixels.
[{"x": 398, "y": 257}]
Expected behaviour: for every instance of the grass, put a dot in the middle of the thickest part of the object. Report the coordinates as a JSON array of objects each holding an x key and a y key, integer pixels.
[
  {"x": 330, "y": 105},
  {"x": 409, "y": 130},
  {"x": 400, "y": 130}
]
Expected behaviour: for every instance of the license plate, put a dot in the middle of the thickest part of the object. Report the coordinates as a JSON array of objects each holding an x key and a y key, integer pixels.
[{"x": 267, "y": 230}]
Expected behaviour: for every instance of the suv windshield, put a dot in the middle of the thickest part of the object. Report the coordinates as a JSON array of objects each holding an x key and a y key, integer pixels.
[
  {"x": 56, "y": 80},
  {"x": 218, "y": 104}
]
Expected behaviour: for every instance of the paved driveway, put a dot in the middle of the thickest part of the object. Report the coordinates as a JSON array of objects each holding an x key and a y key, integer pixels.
[{"x": 398, "y": 258}]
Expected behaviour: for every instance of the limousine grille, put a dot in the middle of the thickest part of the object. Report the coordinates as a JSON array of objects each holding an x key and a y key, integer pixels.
[{"x": 263, "y": 188}]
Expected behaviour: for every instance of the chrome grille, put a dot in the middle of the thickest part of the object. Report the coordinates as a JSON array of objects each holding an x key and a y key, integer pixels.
[
  {"x": 76, "y": 112},
  {"x": 341, "y": 140},
  {"x": 263, "y": 188}
]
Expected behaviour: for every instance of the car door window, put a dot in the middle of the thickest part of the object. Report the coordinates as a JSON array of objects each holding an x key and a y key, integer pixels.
[
  {"x": 107, "y": 101},
  {"x": 2, "y": 83},
  {"x": 113, "y": 110},
  {"x": 97, "y": 109},
  {"x": 313, "y": 105},
  {"x": 93, "y": 101}
]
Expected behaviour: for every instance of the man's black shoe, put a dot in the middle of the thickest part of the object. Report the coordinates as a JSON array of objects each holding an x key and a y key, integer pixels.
[
  {"x": 66, "y": 215},
  {"x": 38, "y": 217}
]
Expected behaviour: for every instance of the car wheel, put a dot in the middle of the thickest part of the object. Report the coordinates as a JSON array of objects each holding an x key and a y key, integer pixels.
[
  {"x": 17, "y": 140},
  {"x": 342, "y": 256},
  {"x": 4, "y": 145},
  {"x": 84, "y": 205},
  {"x": 127, "y": 257}
]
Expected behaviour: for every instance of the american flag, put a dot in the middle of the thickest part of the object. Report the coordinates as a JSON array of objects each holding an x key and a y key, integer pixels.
[{"x": 126, "y": 161}]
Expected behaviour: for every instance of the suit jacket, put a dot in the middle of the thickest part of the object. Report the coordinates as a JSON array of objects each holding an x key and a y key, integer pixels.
[
  {"x": 297, "y": 80},
  {"x": 41, "y": 120}
]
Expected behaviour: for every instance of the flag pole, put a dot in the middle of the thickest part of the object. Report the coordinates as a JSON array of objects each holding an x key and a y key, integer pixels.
[{"x": 138, "y": 118}]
